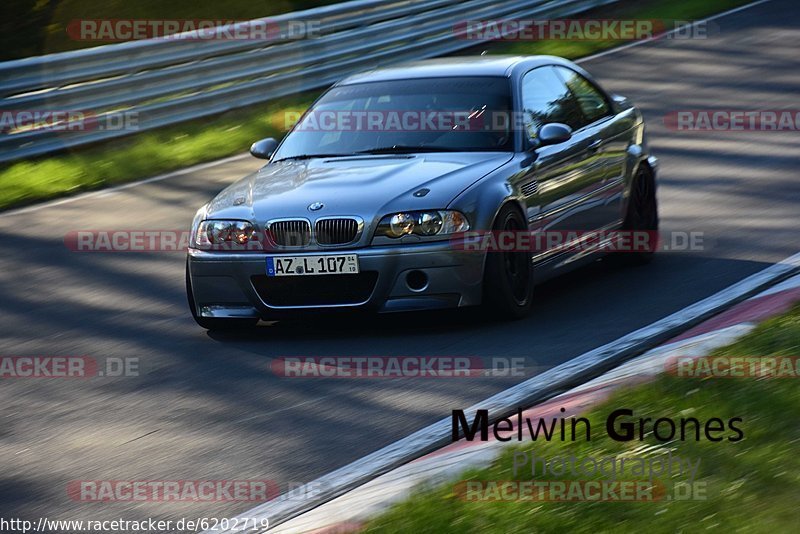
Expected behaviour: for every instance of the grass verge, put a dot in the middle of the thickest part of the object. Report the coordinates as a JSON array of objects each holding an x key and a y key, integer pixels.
[
  {"x": 749, "y": 486},
  {"x": 150, "y": 153}
]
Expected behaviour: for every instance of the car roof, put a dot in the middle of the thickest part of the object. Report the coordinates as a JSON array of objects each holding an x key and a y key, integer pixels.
[{"x": 449, "y": 67}]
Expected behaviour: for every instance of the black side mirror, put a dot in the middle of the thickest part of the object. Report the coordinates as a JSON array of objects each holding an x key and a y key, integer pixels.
[
  {"x": 263, "y": 149},
  {"x": 553, "y": 134}
]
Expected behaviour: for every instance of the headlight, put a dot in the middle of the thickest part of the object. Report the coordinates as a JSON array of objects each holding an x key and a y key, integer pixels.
[
  {"x": 226, "y": 235},
  {"x": 401, "y": 224},
  {"x": 424, "y": 223}
]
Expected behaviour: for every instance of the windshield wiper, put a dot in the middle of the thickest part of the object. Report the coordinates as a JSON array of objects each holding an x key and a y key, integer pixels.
[
  {"x": 312, "y": 156},
  {"x": 395, "y": 149},
  {"x": 408, "y": 149}
]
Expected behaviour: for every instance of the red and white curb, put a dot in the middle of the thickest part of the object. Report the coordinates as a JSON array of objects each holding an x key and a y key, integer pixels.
[{"x": 348, "y": 512}]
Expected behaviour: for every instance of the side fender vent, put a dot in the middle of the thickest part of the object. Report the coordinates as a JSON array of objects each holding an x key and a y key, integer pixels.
[{"x": 530, "y": 188}]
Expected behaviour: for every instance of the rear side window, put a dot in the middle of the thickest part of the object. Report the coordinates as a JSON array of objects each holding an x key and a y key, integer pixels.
[
  {"x": 547, "y": 99},
  {"x": 592, "y": 102}
]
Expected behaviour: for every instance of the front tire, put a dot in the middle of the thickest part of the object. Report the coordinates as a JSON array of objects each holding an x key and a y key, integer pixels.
[
  {"x": 508, "y": 277},
  {"x": 642, "y": 215},
  {"x": 213, "y": 323}
]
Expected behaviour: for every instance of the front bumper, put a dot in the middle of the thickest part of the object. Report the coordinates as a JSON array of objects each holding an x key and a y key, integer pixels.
[{"x": 235, "y": 284}]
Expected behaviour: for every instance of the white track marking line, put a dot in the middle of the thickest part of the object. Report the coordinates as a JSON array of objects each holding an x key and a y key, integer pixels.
[{"x": 671, "y": 32}]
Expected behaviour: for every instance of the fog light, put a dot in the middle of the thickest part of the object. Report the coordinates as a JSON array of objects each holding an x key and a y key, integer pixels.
[{"x": 417, "y": 281}]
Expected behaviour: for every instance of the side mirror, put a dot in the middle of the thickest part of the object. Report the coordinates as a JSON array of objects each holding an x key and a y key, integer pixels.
[
  {"x": 263, "y": 149},
  {"x": 553, "y": 134},
  {"x": 621, "y": 101}
]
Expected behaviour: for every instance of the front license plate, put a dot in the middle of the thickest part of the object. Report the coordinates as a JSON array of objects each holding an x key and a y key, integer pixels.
[{"x": 312, "y": 265}]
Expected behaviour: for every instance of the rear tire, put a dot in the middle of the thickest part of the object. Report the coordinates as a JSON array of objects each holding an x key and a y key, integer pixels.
[
  {"x": 508, "y": 277},
  {"x": 642, "y": 215},
  {"x": 214, "y": 323}
]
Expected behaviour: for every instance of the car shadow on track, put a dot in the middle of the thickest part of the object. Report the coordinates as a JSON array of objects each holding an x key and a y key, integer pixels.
[{"x": 605, "y": 291}]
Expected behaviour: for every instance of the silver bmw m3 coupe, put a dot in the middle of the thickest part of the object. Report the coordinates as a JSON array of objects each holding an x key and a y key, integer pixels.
[{"x": 435, "y": 184}]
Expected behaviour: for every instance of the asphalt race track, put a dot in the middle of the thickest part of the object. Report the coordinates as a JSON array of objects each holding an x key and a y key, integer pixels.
[{"x": 207, "y": 407}]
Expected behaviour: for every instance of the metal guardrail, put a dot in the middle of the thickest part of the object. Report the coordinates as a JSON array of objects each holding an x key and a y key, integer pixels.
[{"x": 168, "y": 81}]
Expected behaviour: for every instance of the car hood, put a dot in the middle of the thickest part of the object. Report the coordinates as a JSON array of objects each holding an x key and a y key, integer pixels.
[{"x": 365, "y": 186}]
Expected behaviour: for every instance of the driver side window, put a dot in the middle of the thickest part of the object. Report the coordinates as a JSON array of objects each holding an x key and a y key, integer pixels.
[
  {"x": 592, "y": 102},
  {"x": 547, "y": 99}
]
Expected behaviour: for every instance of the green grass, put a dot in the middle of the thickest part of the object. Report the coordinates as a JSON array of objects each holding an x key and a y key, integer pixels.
[
  {"x": 145, "y": 154},
  {"x": 751, "y": 485},
  {"x": 149, "y": 153}
]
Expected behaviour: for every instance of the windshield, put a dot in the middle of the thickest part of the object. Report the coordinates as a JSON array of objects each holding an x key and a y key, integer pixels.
[{"x": 405, "y": 116}]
